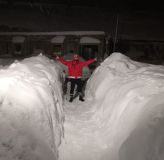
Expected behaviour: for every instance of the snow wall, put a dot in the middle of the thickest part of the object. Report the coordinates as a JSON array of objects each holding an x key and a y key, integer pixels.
[
  {"x": 128, "y": 108},
  {"x": 31, "y": 113}
]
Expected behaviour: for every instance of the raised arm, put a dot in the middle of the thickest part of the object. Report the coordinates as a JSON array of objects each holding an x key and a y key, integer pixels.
[
  {"x": 61, "y": 59},
  {"x": 85, "y": 63}
]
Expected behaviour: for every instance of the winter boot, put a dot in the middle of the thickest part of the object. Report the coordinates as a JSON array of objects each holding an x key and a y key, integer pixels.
[
  {"x": 81, "y": 97},
  {"x": 71, "y": 98}
]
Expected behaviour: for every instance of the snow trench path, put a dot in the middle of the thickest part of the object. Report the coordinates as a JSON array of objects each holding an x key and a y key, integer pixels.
[
  {"x": 122, "y": 117},
  {"x": 81, "y": 140}
]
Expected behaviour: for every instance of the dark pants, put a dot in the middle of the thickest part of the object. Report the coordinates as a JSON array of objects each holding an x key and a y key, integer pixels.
[
  {"x": 77, "y": 82},
  {"x": 65, "y": 85}
]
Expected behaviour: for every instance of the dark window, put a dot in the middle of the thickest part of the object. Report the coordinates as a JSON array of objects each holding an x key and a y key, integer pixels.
[
  {"x": 57, "y": 49},
  {"x": 88, "y": 51},
  {"x": 18, "y": 47},
  {"x": 17, "y": 50}
]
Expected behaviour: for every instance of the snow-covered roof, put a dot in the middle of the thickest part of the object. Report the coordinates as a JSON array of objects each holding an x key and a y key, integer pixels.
[
  {"x": 18, "y": 39},
  {"x": 56, "y": 33},
  {"x": 58, "y": 39},
  {"x": 85, "y": 40}
]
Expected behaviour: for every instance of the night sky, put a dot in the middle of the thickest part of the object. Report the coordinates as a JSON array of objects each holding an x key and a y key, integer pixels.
[{"x": 137, "y": 19}]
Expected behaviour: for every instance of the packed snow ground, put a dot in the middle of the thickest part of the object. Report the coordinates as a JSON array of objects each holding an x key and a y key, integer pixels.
[
  {"x": 121, "y": 119},
  {"x": 31, "y": 113}
]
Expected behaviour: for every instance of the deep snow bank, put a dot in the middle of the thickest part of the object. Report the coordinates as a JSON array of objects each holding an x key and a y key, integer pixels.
[
  {"x": 31, "y": 114},
  {"x": 128, "y": 107}
]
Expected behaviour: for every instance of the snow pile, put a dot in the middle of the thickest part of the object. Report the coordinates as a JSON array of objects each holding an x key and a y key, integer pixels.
[
  {"x": 31, "y": 113},
  {"x": 5, "y": 62},
  {"x": 128, "y": 109}
]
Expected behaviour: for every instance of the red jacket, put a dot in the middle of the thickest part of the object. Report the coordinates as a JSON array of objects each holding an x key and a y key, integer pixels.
[{"x": 75, "y": 68}]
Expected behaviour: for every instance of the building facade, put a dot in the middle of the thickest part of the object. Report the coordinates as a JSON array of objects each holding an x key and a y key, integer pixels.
[{"x": 88, "y": 44}]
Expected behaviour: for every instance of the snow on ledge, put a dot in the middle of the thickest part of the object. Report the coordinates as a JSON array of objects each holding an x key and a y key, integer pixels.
[
  {"x": 85, "y": 40},
  {"x": 58, "y": 39},
  {"x": 18, "y": 39},
  {"x": 77, "y": 33}
]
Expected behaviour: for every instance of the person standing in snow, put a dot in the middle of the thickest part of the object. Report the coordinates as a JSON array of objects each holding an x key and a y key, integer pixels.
[{"x": 75, "y": 69}]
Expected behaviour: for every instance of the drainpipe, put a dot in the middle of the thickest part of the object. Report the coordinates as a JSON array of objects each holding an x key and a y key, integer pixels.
[{"x": 116, "y": 33}]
